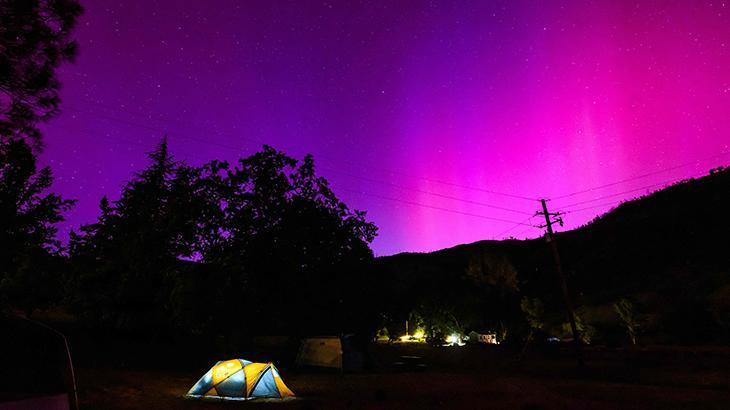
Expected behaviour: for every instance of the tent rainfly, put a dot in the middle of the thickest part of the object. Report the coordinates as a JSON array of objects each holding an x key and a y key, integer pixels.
[
  {"x": 239, "y": 379},
  {"x": 330, "y": 351}
]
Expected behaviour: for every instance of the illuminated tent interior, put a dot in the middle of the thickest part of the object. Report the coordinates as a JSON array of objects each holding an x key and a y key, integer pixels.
[{"x": 239, "y": 379}]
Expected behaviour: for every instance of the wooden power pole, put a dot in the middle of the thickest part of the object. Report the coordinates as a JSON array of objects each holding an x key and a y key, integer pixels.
[{"x": 563, "y": 280}]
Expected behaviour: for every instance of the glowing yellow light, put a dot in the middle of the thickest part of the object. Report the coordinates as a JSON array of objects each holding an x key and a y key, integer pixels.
[
  {"x": 405, "y": 338},
  {"x": 452, "y": 339},
  {"x": 419, "y": 334}
]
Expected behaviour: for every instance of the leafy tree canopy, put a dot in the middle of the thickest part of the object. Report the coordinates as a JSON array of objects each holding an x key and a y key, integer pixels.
[
  {"x": 27, "y": 217},
  {"x": 35, "y": 38},
  {"x": 185, "y": 245}
]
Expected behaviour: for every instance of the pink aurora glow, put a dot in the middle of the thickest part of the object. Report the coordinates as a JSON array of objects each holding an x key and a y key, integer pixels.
[{"x": 537, "y": 101}]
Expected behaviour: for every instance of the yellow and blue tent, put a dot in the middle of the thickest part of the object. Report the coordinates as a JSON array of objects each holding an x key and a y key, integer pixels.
[{"x": 239, "y": 379}]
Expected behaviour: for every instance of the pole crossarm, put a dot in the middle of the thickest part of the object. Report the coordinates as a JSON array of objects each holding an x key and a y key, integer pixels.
[{"x": 550, "y": 219}]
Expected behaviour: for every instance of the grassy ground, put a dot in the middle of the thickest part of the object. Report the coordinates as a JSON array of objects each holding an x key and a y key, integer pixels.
[{"x": 456, "y": 378}]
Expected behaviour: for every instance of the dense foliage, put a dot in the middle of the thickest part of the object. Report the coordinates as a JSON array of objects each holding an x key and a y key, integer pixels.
[
  {"x": 263, "y": 242},
  {"x": 35, "y": 38},
  {"x": 29, "y": 270},
  {"x": 34, "y": 41}
]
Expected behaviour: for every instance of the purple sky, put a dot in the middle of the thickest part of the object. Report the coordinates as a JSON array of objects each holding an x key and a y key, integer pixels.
[{"x": 415, "y": 111}]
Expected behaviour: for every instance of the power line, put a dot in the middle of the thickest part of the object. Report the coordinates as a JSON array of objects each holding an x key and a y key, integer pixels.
[
  {"x": 427, "y": 192},
  {"x": 429, "y": 206},
  {"x": 595, "y": 206},
  {"x": 328, "y": 168},
  {"x": 518, "y": 234},
  {"x": 640, "y": 176},
  {"x": 487, "y": 191},
  {"x": 392, "y": 171},
  {"x": 663, "y": 183},
  {"x": 501, "y": 234},
  {"x": 619, "y": 201},
  {"x": 401, "y": 200}
]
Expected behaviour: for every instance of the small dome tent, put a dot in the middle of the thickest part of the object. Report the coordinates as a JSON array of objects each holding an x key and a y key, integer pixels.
[
  {"x": 342, "y": 353},
  {"x": 239, "y": 379}
]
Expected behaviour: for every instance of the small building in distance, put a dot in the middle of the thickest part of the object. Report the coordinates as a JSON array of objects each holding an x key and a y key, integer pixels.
[{"x": 483, "y": 337}]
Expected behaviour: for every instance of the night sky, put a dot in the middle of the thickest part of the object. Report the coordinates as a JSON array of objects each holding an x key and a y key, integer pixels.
[{"x": 421, "y": 113}]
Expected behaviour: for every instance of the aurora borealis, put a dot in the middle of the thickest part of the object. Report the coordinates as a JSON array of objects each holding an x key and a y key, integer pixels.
[{"x": 412, "y": 110}]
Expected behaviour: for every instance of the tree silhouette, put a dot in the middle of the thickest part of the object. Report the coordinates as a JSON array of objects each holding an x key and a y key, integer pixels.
[
  {"x": 625, "y": 310},
  {"x": 35, "y": 38},
  {"x": 534, "y": 312},
  {"x": 27, "y": 231},
  {"x": 289, "y": 245},
  {"x": 126, "y": 262},
  {"x": 200, "y": 248}
]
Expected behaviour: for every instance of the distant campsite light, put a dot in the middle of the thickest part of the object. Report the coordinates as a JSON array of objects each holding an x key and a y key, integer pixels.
[
  {"x": 419, "y": 336},
  {"x": 454, "y": 340}
]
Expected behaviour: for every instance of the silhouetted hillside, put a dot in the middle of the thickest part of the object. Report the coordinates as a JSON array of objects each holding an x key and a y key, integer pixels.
[{"x": 667, "y": 252}]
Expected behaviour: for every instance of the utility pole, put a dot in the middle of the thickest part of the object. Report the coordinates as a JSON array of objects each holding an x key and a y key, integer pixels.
[{"x": 563, "y": 282}]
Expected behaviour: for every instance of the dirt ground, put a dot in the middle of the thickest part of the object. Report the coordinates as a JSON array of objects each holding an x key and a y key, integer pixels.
[{"x": 465, "y": 378}]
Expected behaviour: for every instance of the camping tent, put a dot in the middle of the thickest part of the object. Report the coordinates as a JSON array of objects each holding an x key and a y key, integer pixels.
[
  {"x": 239, "y": 379},
  {"x": 321, "y": 352},
  {"x": 330, "y": 351}
]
